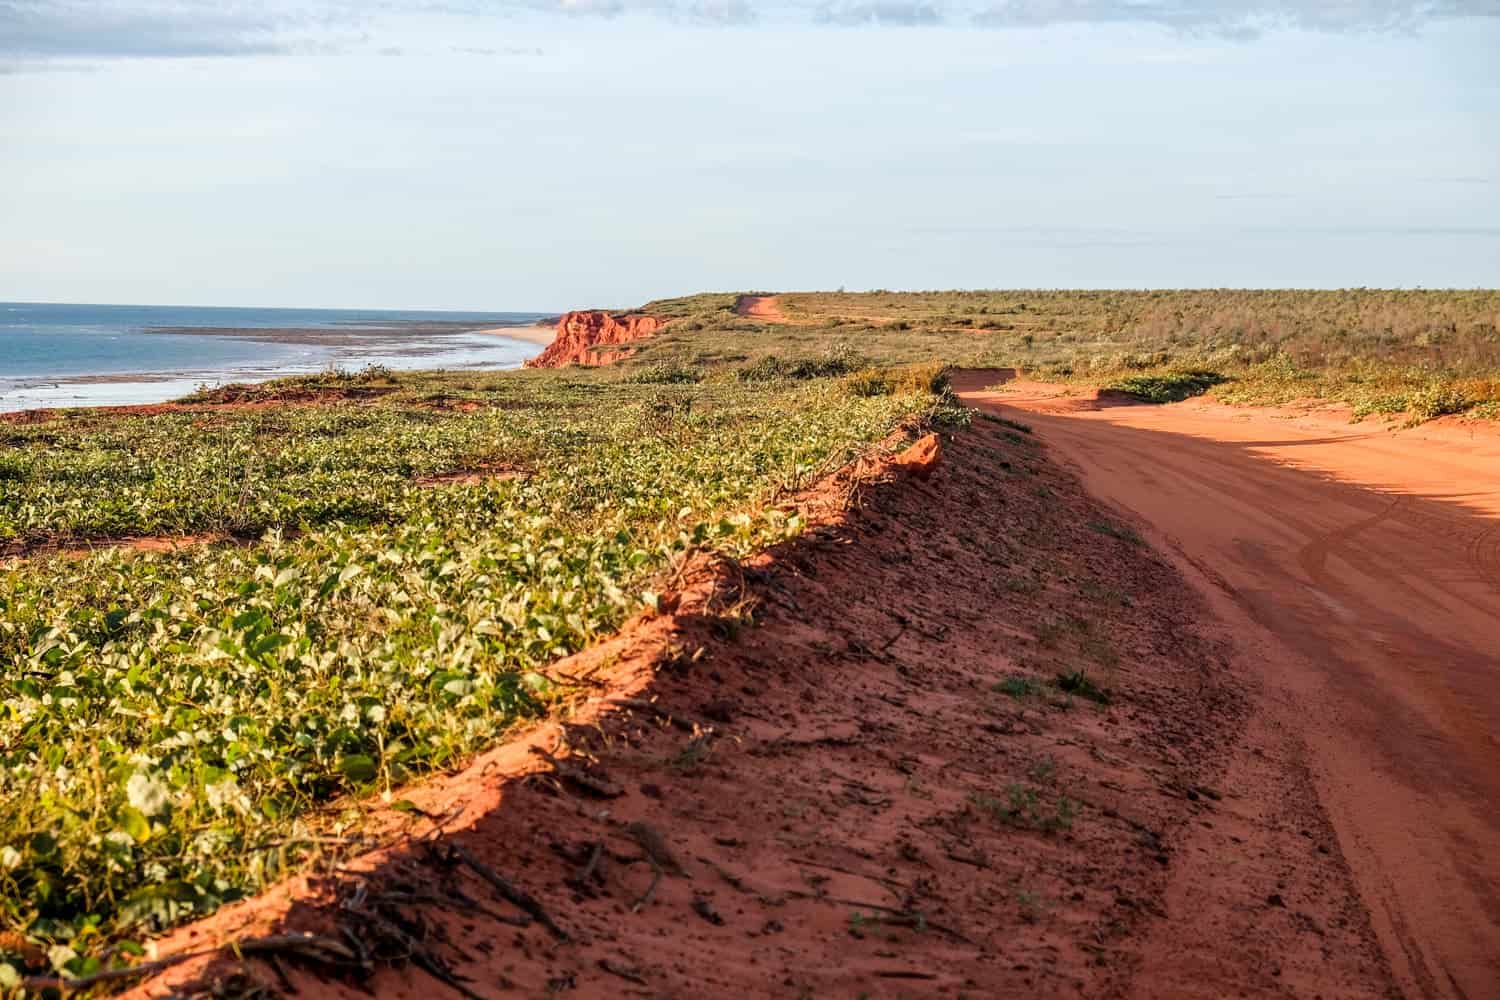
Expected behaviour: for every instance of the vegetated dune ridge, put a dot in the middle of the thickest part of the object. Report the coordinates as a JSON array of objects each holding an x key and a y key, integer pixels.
[
  {"x": 1359, "y": 569},
  {"x": 967, "y": 745}
]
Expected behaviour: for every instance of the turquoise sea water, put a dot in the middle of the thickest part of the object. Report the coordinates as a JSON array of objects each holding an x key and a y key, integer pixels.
[{"x": 77, "y": 355}]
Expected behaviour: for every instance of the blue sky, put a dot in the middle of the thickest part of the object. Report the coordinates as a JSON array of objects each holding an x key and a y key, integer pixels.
[{"x": 539, "y": 154}]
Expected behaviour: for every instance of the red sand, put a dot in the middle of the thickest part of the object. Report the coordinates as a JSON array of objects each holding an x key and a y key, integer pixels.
[
  {"x": 762, "y": 307},
  {"x": 1359, "y": 570}
]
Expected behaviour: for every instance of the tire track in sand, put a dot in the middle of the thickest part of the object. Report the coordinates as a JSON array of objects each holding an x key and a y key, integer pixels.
[{"x": 1357, "y": 569}]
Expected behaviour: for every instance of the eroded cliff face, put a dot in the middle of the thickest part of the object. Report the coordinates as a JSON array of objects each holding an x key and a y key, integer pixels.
[{"x": 584, "y": 336}]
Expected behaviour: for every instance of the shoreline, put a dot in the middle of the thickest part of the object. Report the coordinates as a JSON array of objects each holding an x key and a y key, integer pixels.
[
  {"x": 530, "y": 334},
  {"x": 414, "y": 333},
  {"x": 407, "y": 347}
]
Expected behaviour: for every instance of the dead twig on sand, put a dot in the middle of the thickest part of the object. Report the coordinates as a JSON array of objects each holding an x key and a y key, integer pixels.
[
  {"x": 894, "y": 915},
  {"x": 614, "y": 968},
  {"x": 590, "y": 869},
  {"x": 889, "y": 885},
  {"x": 520, "y": 897},
  {"x": 686, "y": 724},
  {"x": 650, "y": 889},
  {"x": 581, "y": 776},
  {"x": 655, "y": 845},
  {"x": 458, "y": 900},
  {"x": 734, "y": 880}
]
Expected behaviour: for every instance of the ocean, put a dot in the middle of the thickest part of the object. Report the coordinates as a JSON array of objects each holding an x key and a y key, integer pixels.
[{"x": 92, "y": 355}]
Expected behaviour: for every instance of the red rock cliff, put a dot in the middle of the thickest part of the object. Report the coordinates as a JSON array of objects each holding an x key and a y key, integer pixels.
[{"x": 581, "y": 334}]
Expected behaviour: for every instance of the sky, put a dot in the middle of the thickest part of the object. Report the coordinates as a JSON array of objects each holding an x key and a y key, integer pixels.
[{"x": 551, "y": 154}]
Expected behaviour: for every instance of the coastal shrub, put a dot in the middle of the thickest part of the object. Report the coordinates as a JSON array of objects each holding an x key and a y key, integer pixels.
[
  {"x": 342, "y": 376},
  {"x": 888, "y": 381},
  {"x": 839, "y": 359},
  {"x": 1170, "y": 387},
  {"x": 1382, "y": 403},
  {"x": 1439, "y": 400},
  {"x": 666, "y": 373}
]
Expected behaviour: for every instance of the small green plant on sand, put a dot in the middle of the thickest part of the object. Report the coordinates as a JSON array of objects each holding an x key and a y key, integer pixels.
[
  {"x": 1018, "y": 687},
  {"x": 1024, "y": 807}
]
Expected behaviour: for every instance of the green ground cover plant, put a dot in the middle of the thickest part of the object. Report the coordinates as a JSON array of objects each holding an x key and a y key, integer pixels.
[{"x": 178, "y": 728}]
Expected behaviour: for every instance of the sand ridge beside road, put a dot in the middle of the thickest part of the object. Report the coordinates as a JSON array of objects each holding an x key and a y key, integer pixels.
[
  {"x": 1359, "y": 569},
  {"x": 884, "y": 785}
]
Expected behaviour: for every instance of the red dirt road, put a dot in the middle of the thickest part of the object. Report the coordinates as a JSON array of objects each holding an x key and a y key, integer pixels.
[
  {"x": 761, "y": 307},
  {"x": 1358, "y": 569}
]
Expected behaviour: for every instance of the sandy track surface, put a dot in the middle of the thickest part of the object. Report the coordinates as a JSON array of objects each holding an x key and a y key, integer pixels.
[
  {"x": 1358, "y": 569},
  {"x": 761, "y": 307}
]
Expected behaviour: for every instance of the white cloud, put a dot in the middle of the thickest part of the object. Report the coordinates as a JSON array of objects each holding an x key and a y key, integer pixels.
[
  {"x": 46, "y": 28},
  {"x": 32, "y": 30}
]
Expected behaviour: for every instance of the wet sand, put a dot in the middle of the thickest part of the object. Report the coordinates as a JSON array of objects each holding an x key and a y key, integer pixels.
[
  {"x": 534, "y": 333},
  {"x": 414, "y": 335}
]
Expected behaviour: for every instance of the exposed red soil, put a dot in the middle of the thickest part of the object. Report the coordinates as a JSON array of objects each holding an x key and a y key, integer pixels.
[
  {"x": 11, "y": 552},
  {"x": 766, "y": 308},
  {"x": 243, "y": 392},
  {"x": 581, "y": 335},
  {"x": 921, "y": 459},
  {"x": 854, "y": 806},
  {"x": 1358, "y": 569}
]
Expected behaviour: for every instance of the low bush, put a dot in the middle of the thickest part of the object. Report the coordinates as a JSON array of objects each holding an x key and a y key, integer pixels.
[
  {"x": 1169, "y": 387},
  {"x": 838, "y": 360},
  {"x": 896, "y": 381},
  {"x": 666, "y": 373}
]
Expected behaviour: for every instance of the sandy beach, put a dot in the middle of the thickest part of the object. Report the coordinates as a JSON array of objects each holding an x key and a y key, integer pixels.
[{"x": 540, "y": 332}]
